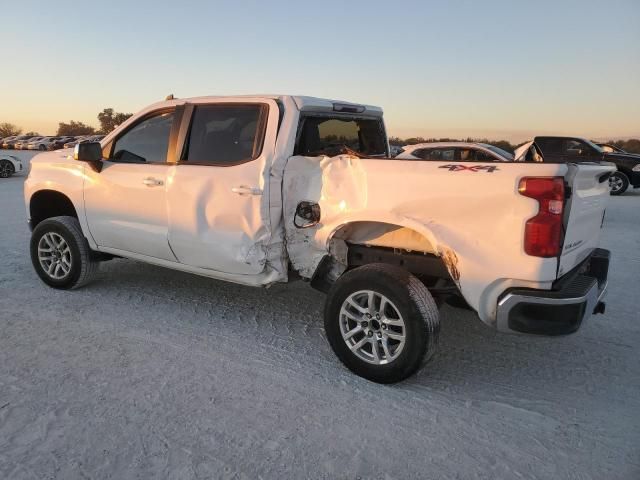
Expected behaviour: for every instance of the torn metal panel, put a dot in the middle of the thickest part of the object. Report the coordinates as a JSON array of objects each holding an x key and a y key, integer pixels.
[{"x": 472, "y": 218}]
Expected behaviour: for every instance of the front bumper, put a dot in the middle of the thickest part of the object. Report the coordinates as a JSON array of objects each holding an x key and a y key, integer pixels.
[{"x": 561, "y": 310}]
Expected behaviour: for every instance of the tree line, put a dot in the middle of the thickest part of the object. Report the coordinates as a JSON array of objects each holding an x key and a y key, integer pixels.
[{"x": 108, "y": 119}]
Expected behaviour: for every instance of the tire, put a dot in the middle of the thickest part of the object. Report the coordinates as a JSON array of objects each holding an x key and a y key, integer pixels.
[
  {"x": 42, "y": 148},
  {"x": 63, "y": 238},
  {"x": 407, "y": 302},
  {"x": 618, "y": 182},
  {"x": 6, "y": 169}
]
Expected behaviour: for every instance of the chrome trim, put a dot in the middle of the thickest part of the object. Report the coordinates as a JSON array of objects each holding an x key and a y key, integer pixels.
[{"x": 592, "y": 297}]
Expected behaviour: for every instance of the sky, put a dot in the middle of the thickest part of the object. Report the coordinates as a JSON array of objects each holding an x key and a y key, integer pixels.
[{"x": 497, "y": 69}]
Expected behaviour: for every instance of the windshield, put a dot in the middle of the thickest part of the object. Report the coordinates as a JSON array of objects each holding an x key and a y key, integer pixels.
[
  {"x": 596, "y": 147},
  {"x": 499, "y": 151}
]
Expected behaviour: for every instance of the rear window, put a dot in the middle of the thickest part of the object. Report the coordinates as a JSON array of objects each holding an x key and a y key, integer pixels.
[
  {"x": 226, "y": 134},
  {"x": 335, "y": 135}
]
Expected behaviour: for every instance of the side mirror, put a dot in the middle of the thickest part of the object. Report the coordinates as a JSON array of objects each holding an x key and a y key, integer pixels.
[{"x": 90, "y": 152}]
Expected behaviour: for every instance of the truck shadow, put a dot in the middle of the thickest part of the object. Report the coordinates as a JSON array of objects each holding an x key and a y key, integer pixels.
[{"x": 472, "y": 358}]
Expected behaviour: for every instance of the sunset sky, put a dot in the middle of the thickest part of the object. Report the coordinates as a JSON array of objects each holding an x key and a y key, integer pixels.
[{"x": 502, "y": 69}]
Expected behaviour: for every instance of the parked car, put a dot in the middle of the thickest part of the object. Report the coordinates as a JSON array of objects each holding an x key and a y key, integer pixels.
[
  {"x": 43, "y": 143},
  {"x": 456, "y": 152},
  {"x": 247, "y": 189},
  {"x": 73, "y": 142},
  {"x": 6, "y": 139},
  {"x": 9, "y": 164},
  {"x": 11, "y": 144},
  {"x": 24, "y": 145},
  {"x": 59, "y": 142},
  {"x": 576, "y": 149}
]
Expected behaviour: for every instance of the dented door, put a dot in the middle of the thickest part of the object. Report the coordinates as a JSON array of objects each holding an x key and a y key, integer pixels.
[{"x": 217, "y": 198}]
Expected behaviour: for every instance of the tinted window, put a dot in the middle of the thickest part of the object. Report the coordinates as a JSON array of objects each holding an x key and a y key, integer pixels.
[
  {"x": 577, "y": 148},
  {"x": 484, "y": 157},
  {"x": 147, "y": 141},
  {"x": 225, "y": 134},
  {"x": 466, "y": 155},
  {"x": 332, "y": 136},
  {"x": 550, "y": 145},
  {"x": 441, "y": 154}
]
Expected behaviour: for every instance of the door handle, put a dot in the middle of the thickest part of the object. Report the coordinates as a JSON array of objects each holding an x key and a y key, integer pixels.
[
  {"x": 244, "y": 190},
  {"x": 152, "y": 182}
]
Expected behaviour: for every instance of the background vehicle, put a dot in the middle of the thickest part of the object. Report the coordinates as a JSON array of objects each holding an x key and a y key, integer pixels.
[
  {"x": 9, "y": 165},
  {"x": 59, "y": 142},
  {"x": 456, "y": 151},
  {"x": 244, "y": 189},
  {"x": 23, "y": 144},
  {"x": 11, "y": 144},
  {"x": 43, "y": 143},
  {"x": 576, "y": 149},
  {"x": 74, "y": 141}
]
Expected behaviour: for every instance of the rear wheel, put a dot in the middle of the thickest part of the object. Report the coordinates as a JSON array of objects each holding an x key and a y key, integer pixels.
[
  {"x": 6, "y": 169},
  {"x": 618, "y": 182},
  {"x": 381, "y": 322},
  {"x": 60, "y": 253}
]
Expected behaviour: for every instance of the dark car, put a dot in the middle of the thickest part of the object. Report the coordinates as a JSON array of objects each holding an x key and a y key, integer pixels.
[{"x": 575, "y": 149}]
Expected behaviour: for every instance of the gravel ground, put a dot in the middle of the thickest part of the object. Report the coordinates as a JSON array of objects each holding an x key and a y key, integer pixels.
[{"x": 149, "y": 373}]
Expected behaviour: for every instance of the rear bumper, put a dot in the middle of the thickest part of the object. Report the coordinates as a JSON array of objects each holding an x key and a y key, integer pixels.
[{"x": 561, "y": 310}]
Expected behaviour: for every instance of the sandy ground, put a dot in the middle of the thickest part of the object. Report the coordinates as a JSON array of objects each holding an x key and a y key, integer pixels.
[{"x": 149, "y": 373}]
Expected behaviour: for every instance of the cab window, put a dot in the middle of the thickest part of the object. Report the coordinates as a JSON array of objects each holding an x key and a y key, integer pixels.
[
  {"x": 146, "y": 142},
  {"x": 226, "y": 134}
]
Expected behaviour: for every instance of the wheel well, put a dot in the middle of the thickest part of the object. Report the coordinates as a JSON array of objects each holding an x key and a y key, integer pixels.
[{"x": 49, "y": 203}]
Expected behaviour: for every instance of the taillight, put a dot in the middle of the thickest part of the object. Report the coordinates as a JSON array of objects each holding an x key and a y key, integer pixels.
[{"x": 543, "y": 233}]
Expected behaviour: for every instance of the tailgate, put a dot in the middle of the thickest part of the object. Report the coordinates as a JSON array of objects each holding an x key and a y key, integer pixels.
[{"x": 585, "y": 208}]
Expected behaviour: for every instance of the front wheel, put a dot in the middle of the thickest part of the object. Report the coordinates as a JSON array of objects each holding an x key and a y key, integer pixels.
[
  {"x": 618, "y": 182},
  {"x": 42, "y": 148},
  {"x": 6, "y": 169},
  {"x": 60, "y": 253},
  {"x": 381, "y": 322}
]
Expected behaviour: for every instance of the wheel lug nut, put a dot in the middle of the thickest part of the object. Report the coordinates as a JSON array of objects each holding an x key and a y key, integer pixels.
[
  {"x": 384, "y": 326},
  {"x": 379, "y": 335},
  {"x": 377, "y": 316},
  {"x": 369, "y": 333}
]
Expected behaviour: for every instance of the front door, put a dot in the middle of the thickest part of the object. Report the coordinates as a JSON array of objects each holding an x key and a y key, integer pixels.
[{"x": 127, "y": 201}]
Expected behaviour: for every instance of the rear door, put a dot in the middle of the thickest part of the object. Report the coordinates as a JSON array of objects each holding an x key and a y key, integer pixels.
[
  {"x": 217, "y": 198},
  {"x": 585, "y": 211}
]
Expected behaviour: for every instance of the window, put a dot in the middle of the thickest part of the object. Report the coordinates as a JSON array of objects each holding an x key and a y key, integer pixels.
[
  {"x": 147, "y": 141},
  {"x": 438, "y": 154},
  {"x": 576, "y": 148},
  {"x": 332, "y": 136},
  {"x": 226, "y": 134},
  {"x": 549, "y": 145},
  {"x": 484, "y": 157},
  {"x": 466, "y": 155}
]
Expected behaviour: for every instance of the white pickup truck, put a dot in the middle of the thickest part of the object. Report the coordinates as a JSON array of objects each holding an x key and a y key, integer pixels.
[{"x": 262, "y": 189}]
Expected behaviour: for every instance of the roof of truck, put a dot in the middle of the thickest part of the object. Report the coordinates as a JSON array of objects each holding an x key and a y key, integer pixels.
[{"x": 303, "y": 102}]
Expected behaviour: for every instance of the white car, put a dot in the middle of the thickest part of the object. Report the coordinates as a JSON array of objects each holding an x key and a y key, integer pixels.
[
  {"x": 9, "y": 164},
  {"x": 456, "y": 152},
  {"x": 249, "y": 189},
  {"x": 42, "y": 143}
]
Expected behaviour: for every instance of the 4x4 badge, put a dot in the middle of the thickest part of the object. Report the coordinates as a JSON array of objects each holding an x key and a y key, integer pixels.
[{"x": 474, "y": 168}]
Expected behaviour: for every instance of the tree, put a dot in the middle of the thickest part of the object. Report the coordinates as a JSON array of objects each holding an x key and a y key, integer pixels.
[
  {"x": 74, "y": 128},
  {"x": 9, "y": 130},
  {"x": 32, "y": 134},
  {"x": 109, "y": 119}
]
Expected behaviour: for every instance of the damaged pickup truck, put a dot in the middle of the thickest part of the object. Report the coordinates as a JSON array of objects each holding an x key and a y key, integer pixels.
[{"x": 263, "y": 189}]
